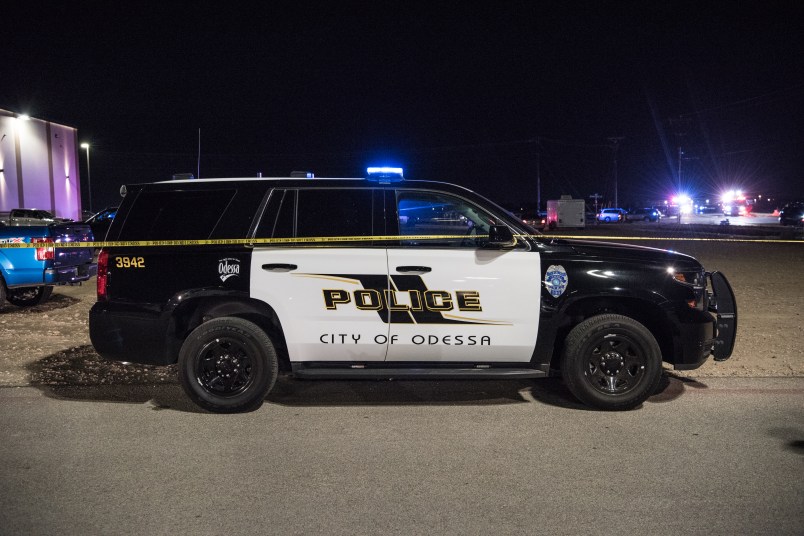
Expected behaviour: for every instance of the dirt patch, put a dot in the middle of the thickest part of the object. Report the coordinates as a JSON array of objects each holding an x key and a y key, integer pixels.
[{"x": 49, "y": 345}]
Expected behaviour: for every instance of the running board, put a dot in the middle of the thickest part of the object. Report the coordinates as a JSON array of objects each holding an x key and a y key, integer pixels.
[{"x": 319, "y": 372}]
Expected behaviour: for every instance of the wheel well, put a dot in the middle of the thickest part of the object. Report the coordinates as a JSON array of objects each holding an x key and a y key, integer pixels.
[
  {"x": 648, "y": 314},
  {"x": 191, "y": 314}
]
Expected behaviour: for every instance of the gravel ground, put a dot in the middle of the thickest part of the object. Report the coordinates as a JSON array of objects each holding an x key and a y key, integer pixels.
[{"x": 49, "y": 344}]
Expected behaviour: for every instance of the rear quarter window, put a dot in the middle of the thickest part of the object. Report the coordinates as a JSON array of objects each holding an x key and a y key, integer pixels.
[{"x": 176, "y": 214}]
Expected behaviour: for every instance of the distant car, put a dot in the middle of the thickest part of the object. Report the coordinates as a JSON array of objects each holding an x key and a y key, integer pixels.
[
  {"x": 537, "y": 220},
  {"x": 611, "y": 214},
  {"x": 100, "y": 222},
  {"x": 792, "y": 214},
  {"x": 643, "y": 214},
  {"x": 31, "y": 216},
  {"x": 708, "y": 209}
]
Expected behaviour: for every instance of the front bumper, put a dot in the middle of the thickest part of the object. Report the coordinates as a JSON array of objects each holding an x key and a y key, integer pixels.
[{"x": 699, "y": 334}]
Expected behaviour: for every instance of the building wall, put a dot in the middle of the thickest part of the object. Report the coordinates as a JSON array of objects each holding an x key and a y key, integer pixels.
[{"x": 39, "y": 160}]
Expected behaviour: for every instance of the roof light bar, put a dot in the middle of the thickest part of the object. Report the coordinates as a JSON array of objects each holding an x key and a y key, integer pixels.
[{"x": 386, "y": 174}]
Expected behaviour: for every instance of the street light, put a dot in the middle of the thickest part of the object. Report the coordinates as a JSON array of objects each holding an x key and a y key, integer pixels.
[{"x": 89, "y": 176}]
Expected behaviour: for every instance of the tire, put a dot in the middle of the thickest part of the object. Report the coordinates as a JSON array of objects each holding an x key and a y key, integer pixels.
[
  {"x": 228, "y": 365},
  {"x": 29, "y": 296},
  {"x": 611, "y": 362},
  {"x": 2, "y": 292}
]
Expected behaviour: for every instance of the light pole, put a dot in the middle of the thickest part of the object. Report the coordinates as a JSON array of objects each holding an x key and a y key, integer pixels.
[{"x": 89, "y": 176}]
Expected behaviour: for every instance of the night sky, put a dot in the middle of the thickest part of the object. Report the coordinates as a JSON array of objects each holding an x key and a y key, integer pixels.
[{"x": 487, "y": 97}]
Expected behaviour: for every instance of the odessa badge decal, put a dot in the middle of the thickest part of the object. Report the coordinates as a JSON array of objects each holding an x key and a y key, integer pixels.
[
  {"x": 228, "y": 267},
  {"x": 555, "y": 279}
]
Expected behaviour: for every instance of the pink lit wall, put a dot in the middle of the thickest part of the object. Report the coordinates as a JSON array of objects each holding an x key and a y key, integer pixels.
[{"x": 39, "y": 160}]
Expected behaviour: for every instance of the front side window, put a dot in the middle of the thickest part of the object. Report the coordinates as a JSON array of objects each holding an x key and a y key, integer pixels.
[{"x": 432, "y": 219}]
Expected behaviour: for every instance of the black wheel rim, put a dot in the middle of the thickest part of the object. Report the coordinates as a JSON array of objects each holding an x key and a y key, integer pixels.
[
  {"x": 615, "y": 365},
  {"x": 224, "y": 367}
]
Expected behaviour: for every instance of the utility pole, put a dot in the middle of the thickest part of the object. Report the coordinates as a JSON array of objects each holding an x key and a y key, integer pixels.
[
  {"x": 538, "y": 180},
  {"x": 596, "y": 197},
  {"x": 681, "y": 126},
  {"x": 615, "y": 144},
  {"x": 538, "y": 175}
]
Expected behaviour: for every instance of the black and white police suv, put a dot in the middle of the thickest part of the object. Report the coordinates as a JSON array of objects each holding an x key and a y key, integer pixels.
[{"x": 385, "y": 277}]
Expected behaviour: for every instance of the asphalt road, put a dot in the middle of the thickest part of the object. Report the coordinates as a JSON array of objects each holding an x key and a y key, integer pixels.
[{"x": 714, "y": 456}]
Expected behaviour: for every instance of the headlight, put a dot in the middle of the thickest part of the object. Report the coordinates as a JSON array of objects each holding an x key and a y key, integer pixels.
[
  {"x": 696, "y": 281},
  {"x": 695, "y": 278}
]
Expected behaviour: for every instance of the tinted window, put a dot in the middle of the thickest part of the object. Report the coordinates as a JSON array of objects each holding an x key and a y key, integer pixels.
[
  {"x": 335, "y": 212},
  {"x": 279, "y": 215},
  {"x": 175, "y": 215},
  {"x": 451, "y": 221}
]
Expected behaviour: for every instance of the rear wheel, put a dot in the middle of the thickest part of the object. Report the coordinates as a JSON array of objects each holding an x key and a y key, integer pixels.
[
  {"x": 29, "y": 296},
  {"x": 228, "y": 365},
  {"x": 611, "y": 362}
]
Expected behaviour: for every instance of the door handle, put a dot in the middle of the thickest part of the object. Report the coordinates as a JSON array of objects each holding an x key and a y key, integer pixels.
[
  {"x": 422, "y": 269},
  {"x": 279, "y": 267}
]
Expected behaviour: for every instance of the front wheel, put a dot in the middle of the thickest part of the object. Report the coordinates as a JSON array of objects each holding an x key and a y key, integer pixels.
[
  {"x": 611, "y": 362},
  {"x": 228, "y": 365},
  {"x": 29, "y": 296}
]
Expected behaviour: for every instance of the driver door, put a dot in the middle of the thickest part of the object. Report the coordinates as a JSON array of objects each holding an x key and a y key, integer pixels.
[{"x": 451, "y": 299}]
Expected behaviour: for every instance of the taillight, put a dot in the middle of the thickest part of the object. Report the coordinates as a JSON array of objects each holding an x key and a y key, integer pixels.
[
  {"x": 103, "y": 264},
  {"x": 44, "y": 253}
]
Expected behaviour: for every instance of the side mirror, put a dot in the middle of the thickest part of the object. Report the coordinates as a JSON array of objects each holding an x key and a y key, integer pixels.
[{"x": 500, "y": 237}]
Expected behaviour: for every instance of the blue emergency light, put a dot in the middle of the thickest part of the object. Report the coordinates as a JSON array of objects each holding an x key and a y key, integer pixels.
[{"x": 385, "y": 174}]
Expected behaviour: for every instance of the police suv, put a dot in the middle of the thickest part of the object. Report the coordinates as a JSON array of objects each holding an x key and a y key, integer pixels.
[{"x": 238, "y": 280}]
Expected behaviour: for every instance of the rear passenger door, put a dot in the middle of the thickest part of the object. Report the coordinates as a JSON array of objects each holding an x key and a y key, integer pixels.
[{"x": 327, "y": 292}]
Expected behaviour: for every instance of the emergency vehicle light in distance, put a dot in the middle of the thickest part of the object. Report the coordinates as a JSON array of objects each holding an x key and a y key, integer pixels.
[{"x": 389, "y": 174}]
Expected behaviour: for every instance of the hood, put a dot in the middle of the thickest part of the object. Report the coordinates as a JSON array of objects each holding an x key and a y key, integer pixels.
[{"x": 627, "y": 252}]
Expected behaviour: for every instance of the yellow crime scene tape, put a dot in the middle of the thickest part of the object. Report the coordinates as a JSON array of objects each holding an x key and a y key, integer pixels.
[{"x": 337, "y": 239}]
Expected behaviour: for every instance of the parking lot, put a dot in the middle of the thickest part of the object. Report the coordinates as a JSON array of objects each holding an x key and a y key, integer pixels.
[{"x": 97, "y": 447}]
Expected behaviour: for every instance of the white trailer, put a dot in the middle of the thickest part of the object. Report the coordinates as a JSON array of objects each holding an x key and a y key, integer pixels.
[{"x": 566, "y": 212}]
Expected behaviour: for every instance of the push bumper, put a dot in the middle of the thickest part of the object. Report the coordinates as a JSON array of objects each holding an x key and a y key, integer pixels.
[
  {"x": 699, "y": 334},
  {"x": 723, "y": 304}
]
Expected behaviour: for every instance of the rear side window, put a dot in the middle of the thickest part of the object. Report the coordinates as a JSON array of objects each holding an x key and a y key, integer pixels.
[
  {"x": 336, "y": 212},
  {"x": 175, "y": 215}
]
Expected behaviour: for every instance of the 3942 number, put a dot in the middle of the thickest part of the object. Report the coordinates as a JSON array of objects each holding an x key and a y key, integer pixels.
[{"x": 129, "y": 262}]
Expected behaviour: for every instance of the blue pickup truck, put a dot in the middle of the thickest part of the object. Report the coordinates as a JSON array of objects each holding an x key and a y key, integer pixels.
[{"x": 28, "y": 274}]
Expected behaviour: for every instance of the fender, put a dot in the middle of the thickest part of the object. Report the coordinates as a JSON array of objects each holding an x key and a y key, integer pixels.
[
  {"x": 190, "y": 307},
  {"x": 642, "y": 288}
]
